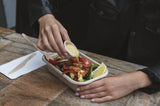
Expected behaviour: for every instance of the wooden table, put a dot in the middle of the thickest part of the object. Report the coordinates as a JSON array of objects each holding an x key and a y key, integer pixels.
[{"x": 41, "y": 88}]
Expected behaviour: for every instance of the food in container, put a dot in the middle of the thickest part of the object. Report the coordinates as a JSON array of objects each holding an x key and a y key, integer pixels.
[{"x": 77, "y": 70}]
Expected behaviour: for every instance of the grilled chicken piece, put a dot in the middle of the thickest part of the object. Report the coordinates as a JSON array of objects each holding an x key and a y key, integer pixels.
[
  {"x": 77, "y": 67},
  {"x": 71, "y": 67}
]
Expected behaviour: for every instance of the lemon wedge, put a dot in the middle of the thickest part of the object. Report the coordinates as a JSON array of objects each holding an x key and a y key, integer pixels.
[{"x": 100, "y": 70}]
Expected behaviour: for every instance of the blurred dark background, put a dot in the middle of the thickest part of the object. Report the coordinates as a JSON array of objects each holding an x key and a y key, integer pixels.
[{"x": 8, "y": 13}]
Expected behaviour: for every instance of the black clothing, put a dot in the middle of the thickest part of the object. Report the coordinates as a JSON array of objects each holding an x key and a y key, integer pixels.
[
  {"x": 124, "y": 29},
  {"x": 22, "y": 19}
]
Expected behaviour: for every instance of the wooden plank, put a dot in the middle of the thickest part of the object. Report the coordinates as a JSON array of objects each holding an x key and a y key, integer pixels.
[
  {"x": 68, "y": 98},
  {"x": 19, "y": 48},
  {"x": 6, "y": 56},
  {"x": 55, "y": 103},
  {"x": 2, "y": 35},
  {"x": 23, "y": 46},
  {"x": 4, "y": 43},
  {"x": 37, "y": 88},
  {"x": 143, "y": 99},
  {"x": 6, "y": 31},
  {"x": 19, "y": 38},
  {"x": 156, "y": 97},
  {"x": 15, "y": 50},
  {"x": 4, "y": 81}
]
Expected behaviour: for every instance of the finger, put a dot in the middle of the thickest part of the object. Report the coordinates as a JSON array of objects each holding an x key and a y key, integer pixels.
[
  {"x": 46, "y": 42},
  {"x": 65, "y": 35},
  {"x": 52, "y": 41},
  {"x": 91, "y": 86},
  {"x": 102, "y": 99},
  {"x": 58, "y": 40},
  {"x": 92, "y": 91},
  {"x": 40, "y": 44},
  {"x": 64, "y": 32},
  {"x": 95, "y": 95}
]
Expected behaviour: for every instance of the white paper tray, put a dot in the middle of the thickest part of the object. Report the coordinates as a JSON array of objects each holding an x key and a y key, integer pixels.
[{"x": 66, "y": 79}]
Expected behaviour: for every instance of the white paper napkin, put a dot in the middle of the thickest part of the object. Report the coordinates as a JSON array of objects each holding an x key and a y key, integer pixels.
[{"x": 32, "y": 64}]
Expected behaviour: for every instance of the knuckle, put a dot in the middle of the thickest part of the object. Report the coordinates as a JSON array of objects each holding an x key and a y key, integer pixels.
[
  {"x": 55, "y": 26},
  {"x": 88, "y": 96},
  {"x": 57, "y": 49},
  {"x": 38, "y": 45},
  {"x": 41, "y": 32},
  {"x": 64, "y": 50},
  {"x": 62, "y": 47},
  {"x": 47, "y": 28},
  {"x": 65, "y": 31},
  {"x": 109, "y": 88},
  {"x": 59, "y": 43},
  {"x": 46, "y": 44}
]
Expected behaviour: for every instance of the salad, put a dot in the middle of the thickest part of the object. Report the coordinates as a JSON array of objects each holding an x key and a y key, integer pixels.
[{"x": 77, "y": 69}]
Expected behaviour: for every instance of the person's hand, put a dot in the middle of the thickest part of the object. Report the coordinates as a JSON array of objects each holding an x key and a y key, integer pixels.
[
  {"x": 51, "y": 33},
  {"x": 113, "y": 87}
]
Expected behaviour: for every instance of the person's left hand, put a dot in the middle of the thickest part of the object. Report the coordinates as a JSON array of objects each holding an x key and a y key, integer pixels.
[{"x": 113, "y": 87}]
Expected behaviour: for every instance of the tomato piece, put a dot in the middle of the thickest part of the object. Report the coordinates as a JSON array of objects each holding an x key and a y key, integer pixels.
[
  {"x": 82, "y": 59},
  {"x": 86, "y": 63},
  {"x": 76, "y": 78},
  {"x": 53, "y": 62},
  {"x": 74, "y": 59}
]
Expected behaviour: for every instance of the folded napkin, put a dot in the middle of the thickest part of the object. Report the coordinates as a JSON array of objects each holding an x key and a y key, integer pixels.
[{"x": 22, "y": 65}]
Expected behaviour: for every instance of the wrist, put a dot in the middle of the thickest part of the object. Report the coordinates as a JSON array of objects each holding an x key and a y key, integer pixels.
[
  {"x": 142, "y": 79},
  {"x": 44, "y": 17}
]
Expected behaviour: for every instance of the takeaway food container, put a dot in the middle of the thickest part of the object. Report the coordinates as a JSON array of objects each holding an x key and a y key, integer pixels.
[{"x": 67, "y": 80}]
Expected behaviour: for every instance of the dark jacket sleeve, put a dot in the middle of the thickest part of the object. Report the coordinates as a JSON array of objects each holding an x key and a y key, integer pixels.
[
  {"x": 38, "y": 8},
  {"x": 154, "y": 75}
]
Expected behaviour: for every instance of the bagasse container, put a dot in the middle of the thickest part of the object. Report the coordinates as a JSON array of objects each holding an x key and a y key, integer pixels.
[{"x": 67, "y": 80}]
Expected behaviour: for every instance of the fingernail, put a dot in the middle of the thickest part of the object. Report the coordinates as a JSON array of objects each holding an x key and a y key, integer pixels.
[
  {"x": 77, "y": 94},
  {"x": 93, "y": 100},
  {"x": 62, "y": 56},
  {"x": 66, "y": 54},
  {"x": 82, "y": 96},
  {"x": 78, "y": 89}
]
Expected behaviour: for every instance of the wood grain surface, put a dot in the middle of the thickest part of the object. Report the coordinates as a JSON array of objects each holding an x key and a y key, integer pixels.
[{"x": 41, "y": 88}]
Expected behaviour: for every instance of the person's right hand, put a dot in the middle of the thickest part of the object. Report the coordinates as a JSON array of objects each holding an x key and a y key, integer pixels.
[{"x": 51, "y": 33}]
